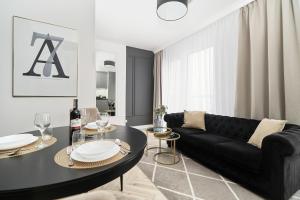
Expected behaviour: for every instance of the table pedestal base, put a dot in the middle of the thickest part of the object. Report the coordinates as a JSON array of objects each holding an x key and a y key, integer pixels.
[
  {"x": 121, "y": 182},
  {"x": 171, "y": 153}
]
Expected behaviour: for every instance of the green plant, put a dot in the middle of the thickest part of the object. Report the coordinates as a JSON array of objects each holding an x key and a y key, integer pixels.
[{"x": 160, "y": 110}]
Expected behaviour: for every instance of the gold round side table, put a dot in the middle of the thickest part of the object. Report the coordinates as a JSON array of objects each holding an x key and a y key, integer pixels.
[
  {"x": 172, "y": 138},
  {"x": 164, "y": 133}
]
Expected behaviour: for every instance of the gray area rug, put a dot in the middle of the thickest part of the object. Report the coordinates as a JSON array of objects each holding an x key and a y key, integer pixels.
[{"x": 189, "y": 180}]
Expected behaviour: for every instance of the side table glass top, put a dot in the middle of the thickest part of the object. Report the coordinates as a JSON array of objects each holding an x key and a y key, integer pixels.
[
  {"x": 162, "y": 132},
  {"x": 171, "y": 137}
]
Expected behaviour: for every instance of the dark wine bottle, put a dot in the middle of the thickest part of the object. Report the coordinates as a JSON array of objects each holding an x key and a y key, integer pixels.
[{"x": 75, "y": 120}]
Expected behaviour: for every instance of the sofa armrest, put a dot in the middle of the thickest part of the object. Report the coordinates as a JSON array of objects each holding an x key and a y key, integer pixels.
[
  {"x": 281, "y": 163},
  {"x": 174, "y": 120},
  {"x": 288, "y": 142}
]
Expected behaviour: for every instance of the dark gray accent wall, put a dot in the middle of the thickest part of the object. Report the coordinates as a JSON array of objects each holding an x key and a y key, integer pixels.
[
  {"x": 139, "y": 86},
  {"x": 112, "y": 86},
  {"x": 101, "y": 80}
]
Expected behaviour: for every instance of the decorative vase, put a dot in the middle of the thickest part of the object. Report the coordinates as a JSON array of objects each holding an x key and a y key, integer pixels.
[{"x": 159, "y": 123}]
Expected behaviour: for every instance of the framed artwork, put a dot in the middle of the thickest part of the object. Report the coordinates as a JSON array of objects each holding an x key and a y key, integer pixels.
[{"x": 45, "y": 59}]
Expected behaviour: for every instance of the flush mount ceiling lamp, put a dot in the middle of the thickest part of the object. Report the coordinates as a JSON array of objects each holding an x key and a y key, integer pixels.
[
  {"x": 171, "y": 10},
  {"x": 109, "y": 63}
]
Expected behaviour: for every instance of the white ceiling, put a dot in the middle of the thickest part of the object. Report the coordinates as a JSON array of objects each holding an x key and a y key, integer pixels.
[{"x": 134, "y": 22}]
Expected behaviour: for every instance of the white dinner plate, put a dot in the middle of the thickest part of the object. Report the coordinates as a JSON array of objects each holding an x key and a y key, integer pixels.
[
  {"x": 93, "y": 126},
  {"x": 95, "y": 147},
  {"x": 26, "y": 141},
  {"x": 9, "y": 139},
  {"x": 95, "y": 151}
]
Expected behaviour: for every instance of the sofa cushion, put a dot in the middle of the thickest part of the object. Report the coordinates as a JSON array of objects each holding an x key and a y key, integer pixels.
[
  {"x": 240, "y": 154},
  {"x": 194, "y": 119},
  {"x": 188, "y": 131},
  {"x": 232, "y": 127},
  {"x": 199, "y": 138}
]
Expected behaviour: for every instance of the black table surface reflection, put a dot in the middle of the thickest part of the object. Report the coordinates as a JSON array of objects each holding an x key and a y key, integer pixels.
[{"x": 37, "y": 176}]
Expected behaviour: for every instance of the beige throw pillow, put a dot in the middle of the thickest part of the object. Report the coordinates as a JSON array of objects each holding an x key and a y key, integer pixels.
[
  {"x": 194, "y": 119},
  {"x": 266, "y": 127}
]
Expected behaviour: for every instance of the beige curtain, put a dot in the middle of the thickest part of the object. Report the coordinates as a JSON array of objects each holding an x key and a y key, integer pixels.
[
  {"x": 268, "y": 74},
  {"x": 157, "y": 96}
]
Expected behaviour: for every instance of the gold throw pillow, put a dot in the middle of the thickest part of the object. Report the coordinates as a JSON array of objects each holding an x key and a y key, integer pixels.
[
  {"x": 266, "y": 127},
  {"x": 194, "y": 119}
]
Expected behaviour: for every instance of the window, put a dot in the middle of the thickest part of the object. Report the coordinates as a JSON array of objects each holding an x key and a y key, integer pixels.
[
  {"x": 201, "y": 81},
  {"x": 198, "y": 72}
]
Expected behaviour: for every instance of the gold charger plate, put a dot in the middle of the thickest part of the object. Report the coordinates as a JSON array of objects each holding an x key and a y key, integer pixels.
[
  {"x": 95, "y": 132},
  {"x": 62, "y": 159},
  {"x": 30, "y": 148}
]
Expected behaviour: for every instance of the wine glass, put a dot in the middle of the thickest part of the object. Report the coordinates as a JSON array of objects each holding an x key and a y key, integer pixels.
[
  {"x": 101, "y": 122},
  {"x": 78, "y": 138},
  {"x": 42, "y": 121},
  {"x": 48, "y": 133},
  {"x": 84, "y": 117}
]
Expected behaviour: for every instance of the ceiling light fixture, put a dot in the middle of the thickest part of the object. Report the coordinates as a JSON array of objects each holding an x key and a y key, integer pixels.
[
  {"x": 171, "y": 10},
  {"x": 109, "y": 63}
]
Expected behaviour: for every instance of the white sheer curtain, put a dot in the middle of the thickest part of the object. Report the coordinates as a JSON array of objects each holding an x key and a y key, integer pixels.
[{"x": 198, "y": 73}]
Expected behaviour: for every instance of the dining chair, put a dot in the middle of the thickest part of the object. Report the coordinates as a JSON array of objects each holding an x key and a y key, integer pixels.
[
  {"x": 91, "y": 114},
  {"x": 102, "y": 105}
]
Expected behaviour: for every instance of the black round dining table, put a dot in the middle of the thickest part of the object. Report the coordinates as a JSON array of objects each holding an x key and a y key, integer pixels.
[{"x": 37, "y": 176}]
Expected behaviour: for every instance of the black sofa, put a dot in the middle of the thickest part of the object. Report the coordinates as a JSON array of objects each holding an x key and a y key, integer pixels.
[{"x": 272, "y": 171}]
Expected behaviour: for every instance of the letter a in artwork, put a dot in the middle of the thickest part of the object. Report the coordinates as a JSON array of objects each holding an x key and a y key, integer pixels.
[{"x": 52, "y": 59}]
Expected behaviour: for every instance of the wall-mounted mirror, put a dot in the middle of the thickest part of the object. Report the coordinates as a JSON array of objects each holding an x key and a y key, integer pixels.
[{"x": 106, "y": 82}]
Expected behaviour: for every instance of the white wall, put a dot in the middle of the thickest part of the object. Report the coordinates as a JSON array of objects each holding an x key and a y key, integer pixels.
[
  {"x": 16, "y": 114},
  {"x": 119, "y": 50}
]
